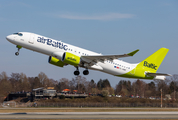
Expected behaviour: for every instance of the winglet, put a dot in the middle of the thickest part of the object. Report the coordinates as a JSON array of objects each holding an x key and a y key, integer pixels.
[{"x": 132, "y": 53}]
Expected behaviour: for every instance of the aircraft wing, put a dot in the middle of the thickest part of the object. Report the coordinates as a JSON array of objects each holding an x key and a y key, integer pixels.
[{"x": 102, "y": 58}]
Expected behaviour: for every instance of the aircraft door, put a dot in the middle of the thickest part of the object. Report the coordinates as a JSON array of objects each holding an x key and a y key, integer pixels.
[{"x": 32, "y": 38}]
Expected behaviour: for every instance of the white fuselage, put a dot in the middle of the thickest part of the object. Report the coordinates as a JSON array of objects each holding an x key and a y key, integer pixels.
[{"x": 50, "y": 46}]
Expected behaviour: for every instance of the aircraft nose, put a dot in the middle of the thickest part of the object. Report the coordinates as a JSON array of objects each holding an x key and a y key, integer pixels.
[{"x": 9, "y": 37}]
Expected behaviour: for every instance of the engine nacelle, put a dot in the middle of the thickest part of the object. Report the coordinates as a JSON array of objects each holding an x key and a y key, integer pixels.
[
  {"x": 159, "y": 77},
  {"x": 58, "y": 55},
  {"x": 71, "y": 59},
  {"x": 55, "y": 61}
]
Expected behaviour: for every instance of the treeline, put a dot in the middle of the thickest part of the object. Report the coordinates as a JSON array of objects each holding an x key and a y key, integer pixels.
[{"x": 19, "y": 82}]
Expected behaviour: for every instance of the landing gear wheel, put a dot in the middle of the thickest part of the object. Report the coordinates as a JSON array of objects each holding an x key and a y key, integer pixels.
[
  {"x": 19, "y": 47},
  {"x": 85, "y": 72},
  {"x": 17, "y": 53},
  {"x": 76, "y": 72}
]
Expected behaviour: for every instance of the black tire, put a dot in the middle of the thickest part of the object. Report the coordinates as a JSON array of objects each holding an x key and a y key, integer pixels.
[
  {"x": 85, "y": 72},
  {"x": 17, "y": 53},
  {"x": 76, "y": 72}
]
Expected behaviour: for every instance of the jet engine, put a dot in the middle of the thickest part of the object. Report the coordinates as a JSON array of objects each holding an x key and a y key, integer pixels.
[
  {"x": 58, "y": 55},
  {"x": 71, "y": 59},
  {"x": 55, "y": 61}
]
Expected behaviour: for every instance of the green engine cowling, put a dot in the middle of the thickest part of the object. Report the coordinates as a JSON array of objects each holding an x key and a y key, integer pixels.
[
  {"x": 71, "y": 59},
  {"x": 55, "y": 61}
]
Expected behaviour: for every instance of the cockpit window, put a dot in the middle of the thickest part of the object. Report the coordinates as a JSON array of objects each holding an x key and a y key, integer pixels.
[{"x": 20, "y": 34}]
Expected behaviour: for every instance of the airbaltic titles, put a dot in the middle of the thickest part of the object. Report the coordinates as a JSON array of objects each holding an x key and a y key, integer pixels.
[{"x": 54, "y": 43}]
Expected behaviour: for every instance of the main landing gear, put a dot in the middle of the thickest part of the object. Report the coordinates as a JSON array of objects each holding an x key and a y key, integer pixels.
[
  {"x": 85, "y": 72},
  {"x": 19, "y": 47},
  {"x": 76, "y": 72}
]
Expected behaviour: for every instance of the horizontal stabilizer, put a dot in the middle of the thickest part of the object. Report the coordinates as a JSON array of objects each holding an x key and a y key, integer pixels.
[{"x": 158, "y": 74}]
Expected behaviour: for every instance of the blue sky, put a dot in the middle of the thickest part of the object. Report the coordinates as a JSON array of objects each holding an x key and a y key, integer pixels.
[{"x": 103, "y": 26}]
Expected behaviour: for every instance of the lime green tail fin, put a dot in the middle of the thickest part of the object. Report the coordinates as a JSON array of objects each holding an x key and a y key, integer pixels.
[{"x": 152, "y": 63}]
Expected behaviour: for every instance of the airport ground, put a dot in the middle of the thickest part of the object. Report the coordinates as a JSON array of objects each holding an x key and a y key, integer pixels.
[
  {"x": 22, "y": 110},
  {"x": 89, "y": 113}
]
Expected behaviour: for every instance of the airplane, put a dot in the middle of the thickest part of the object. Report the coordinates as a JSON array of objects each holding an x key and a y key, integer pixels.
[{"x": 62, "y": 54}]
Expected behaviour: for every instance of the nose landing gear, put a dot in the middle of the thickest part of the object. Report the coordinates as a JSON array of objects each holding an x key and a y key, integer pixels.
[
  {"x": 19, "y": 47},
  {"x": 17, "y": 53}
]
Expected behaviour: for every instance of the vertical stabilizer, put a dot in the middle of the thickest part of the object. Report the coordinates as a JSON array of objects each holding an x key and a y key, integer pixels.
[
  {"x": 149, "y": 65},
  {"x": 152, "y": 63}
]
